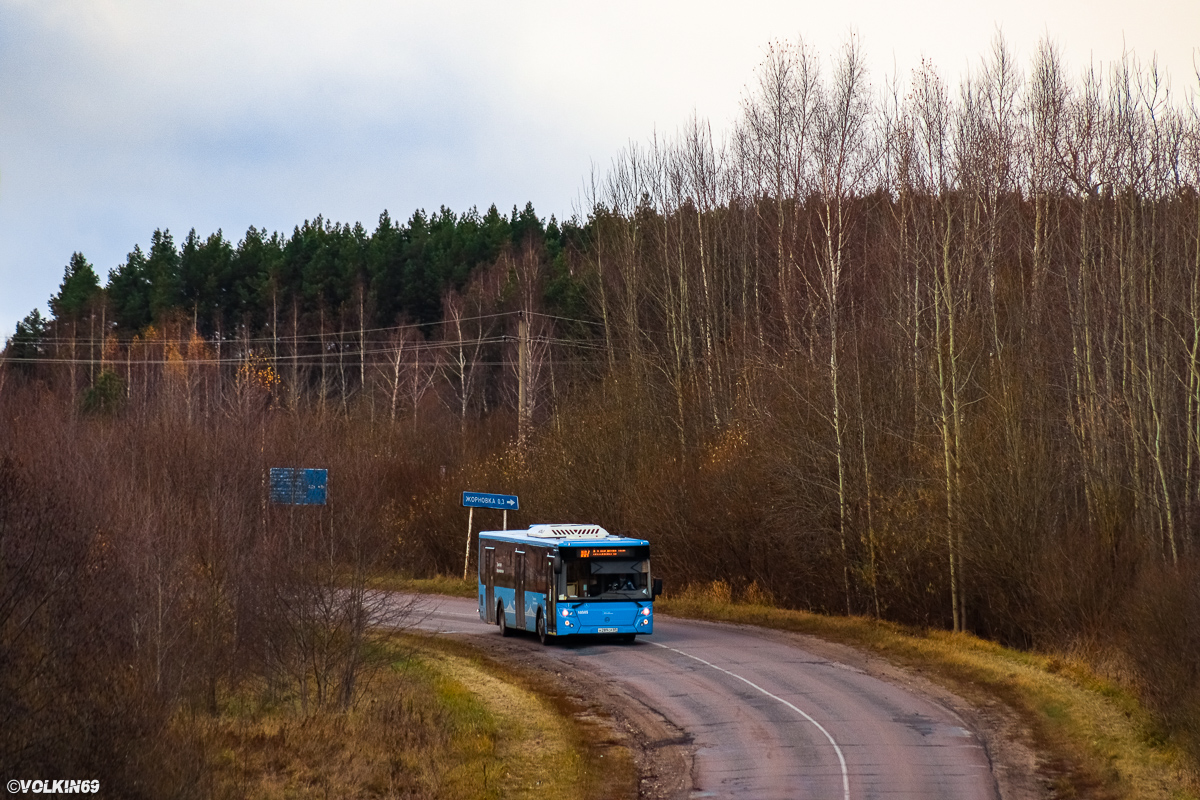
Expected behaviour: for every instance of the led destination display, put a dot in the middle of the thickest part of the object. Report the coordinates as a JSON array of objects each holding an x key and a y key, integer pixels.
[{"x": 609, "y": 552}]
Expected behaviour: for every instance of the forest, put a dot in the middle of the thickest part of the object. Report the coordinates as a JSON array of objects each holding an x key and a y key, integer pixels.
[{"x": 922, "y": 351}]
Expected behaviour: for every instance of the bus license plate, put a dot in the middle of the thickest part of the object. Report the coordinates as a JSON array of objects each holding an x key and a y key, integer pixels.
[{"x": 606, "y": 630}]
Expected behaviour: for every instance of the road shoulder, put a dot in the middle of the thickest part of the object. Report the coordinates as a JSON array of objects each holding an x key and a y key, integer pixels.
[{"x": 620, "y": 725}]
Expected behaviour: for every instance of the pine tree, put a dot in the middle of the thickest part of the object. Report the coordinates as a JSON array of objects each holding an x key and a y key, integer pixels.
[
  {"x": 163, "y": 271},
  {"x": 28, "y": 342},
  {"x": 79, "y": 287},
  {"x": 129, "y": 291}
]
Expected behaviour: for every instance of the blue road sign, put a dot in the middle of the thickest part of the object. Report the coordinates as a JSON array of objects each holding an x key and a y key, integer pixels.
[
  {"x": 299, "y": 487},
  {"x": 508, "y": 502}
]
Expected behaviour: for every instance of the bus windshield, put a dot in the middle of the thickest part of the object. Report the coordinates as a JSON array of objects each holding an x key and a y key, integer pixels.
[{"x": 601, "y": 578}]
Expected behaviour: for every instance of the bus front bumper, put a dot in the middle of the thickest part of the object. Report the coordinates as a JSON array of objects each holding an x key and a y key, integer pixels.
[{"x": 570, "y": 627}]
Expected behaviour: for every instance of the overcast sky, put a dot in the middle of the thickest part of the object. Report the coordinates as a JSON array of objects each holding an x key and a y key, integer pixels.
[{"x": 121, "y": 116}]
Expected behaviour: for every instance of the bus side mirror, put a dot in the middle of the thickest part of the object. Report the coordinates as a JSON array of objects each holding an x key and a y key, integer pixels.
[{"x": 656, "y": 588}]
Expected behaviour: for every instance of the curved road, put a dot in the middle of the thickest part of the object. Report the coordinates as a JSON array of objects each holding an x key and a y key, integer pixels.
[{"x": 769, "y": 719}]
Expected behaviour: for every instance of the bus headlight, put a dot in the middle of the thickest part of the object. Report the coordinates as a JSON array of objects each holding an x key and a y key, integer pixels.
[{"x": 645, "y": 612}]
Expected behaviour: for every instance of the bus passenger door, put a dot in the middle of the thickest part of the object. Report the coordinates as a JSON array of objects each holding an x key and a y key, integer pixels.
[
  {"x": 489, "y": 577},
  {"x": 551, "y": 596},
  {"x": 519, "y": 589}
]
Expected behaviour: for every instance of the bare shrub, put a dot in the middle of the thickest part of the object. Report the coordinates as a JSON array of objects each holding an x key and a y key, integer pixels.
[{"x": 1160, "y": 634}]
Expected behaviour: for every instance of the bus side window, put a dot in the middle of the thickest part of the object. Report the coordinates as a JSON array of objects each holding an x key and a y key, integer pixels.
[
  {"x": 504, "y": 565},
  {"x": 534, "y": 577}
]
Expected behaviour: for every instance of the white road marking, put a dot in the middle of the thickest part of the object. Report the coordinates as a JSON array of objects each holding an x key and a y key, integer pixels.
[{"x": 820, "y": 727}]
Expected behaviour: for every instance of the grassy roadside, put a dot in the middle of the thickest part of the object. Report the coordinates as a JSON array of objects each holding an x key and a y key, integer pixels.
[
  {"x": 441, "y": 584},
  {"x": 441, "y": 723},
  {"x": 561, "y": 739},
  {"x": 1099, "y": 740}
]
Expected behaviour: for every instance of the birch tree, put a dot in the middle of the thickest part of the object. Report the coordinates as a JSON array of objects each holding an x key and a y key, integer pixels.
[{"x": 843, "y": 163}]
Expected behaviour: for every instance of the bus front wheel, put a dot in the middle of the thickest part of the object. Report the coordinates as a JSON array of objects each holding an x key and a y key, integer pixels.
[
  {"x": 504, "y": 630},
  {"x": 541, "y": 629}
]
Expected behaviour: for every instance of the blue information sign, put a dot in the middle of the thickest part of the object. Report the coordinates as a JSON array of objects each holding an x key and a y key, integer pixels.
[
  {"x": 299, "y": 487},
  {"x": 508, "y": 502}
]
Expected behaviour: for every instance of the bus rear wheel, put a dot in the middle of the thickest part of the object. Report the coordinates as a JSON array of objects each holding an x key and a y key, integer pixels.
[
  {"x": 541, "y": 629},
  {"x": 504, "y": 629}
]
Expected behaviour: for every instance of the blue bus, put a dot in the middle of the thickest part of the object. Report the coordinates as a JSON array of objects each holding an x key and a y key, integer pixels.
[{"x": 566, "y": 580}]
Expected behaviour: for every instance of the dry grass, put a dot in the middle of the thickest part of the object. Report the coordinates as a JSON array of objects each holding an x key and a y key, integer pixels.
[
  {"x": 1100, "y": 741},
  {"x": 565, "y": 750},
  {"x": 440, "y": 724}
]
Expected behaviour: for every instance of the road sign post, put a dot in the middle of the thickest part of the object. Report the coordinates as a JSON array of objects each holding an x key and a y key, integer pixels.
[
  {"x": 474, "y": 500},
  {"x": 467, "y": 554}
]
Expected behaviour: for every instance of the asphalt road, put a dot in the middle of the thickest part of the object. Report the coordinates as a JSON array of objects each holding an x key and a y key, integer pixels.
[{"x": 767, "y": 718}]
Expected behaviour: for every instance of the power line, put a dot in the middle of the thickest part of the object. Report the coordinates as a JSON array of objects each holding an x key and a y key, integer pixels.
[
  {"x": 350, "y": 356},
  {"x": 319, "y": 337},
  {"x": 115, "y": 364}
]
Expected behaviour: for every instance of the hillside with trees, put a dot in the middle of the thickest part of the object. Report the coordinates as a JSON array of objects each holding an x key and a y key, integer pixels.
[{"x": 931, "y": 356}]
